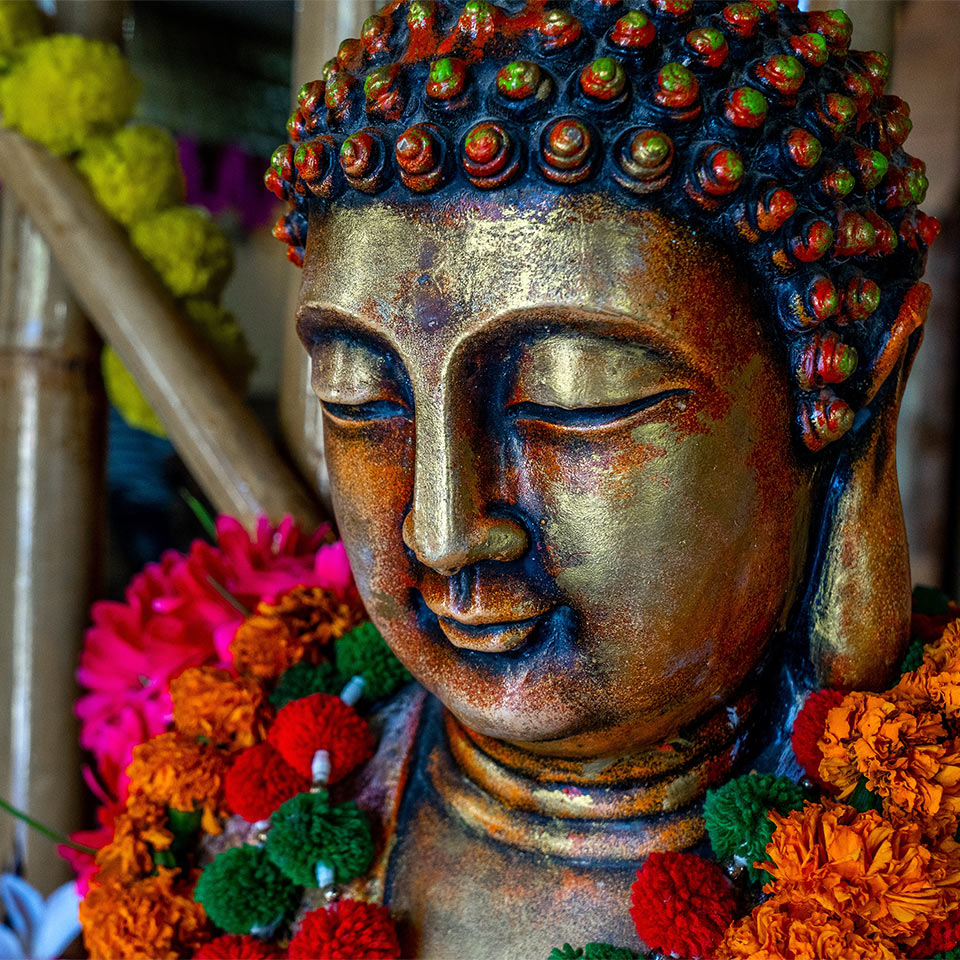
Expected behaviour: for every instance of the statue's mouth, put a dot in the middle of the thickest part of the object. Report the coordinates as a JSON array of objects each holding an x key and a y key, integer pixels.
[{"x": 489, "y": 637}]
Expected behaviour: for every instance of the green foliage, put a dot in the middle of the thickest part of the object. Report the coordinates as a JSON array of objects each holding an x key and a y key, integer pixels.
[
  {"x": 133, "y": 173},
  {"x": 64, "y": 89},
  {"x": 303, "y": 679},
  {"x": 242, "y": 890},
  {"x": 188, "y": 250},
  {"x": 307, "y": 830},
  {"x": 365, "y": 653},
  {"x": 736, "y": 815}
]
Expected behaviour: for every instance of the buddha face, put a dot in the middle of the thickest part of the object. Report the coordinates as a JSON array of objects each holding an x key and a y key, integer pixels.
[{"x": 560, "y": 454}]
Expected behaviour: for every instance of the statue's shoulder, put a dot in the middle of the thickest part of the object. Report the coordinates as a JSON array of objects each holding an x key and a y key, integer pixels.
[{"x": 378, "y": 788}]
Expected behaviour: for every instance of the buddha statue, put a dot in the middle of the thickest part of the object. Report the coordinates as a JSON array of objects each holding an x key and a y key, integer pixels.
[{"x": 610, "y": 309}]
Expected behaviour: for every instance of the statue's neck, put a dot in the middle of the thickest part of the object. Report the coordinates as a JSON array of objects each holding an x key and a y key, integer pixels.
[{"x": 578, "y": 808}]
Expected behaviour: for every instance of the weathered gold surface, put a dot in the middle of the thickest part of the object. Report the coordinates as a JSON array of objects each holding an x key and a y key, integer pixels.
[
  {"x": 562, "y": 460},
  {"x": 674, "y": 535}
]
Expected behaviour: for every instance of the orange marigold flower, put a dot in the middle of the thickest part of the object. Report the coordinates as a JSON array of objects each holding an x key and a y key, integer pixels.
[
  {"x": 137, "y": 832},
  {"x": 861, "y": 866},
  {"x": 227, "y": 711},
  {"x": 300, "y": 625},
  {"x": 785, "y": 929},
  {"x": 173, "y": 771},
  {"x": 903, "y": 752},
  {"x": 154, "y": 917},
  {"x": 936, "y": 683}
]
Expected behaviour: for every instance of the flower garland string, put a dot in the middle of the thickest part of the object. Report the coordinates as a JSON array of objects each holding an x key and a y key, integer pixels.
[
  {"x": 234, "y": 755},
  {"x": 858, "y": 859}
]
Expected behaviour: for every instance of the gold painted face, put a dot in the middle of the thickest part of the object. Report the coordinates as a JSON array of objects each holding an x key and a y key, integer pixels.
[{"x": 561, "y": 461}]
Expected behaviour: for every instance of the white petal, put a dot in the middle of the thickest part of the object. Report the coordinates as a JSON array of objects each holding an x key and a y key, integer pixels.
[
  {"x": 60, "y": 925},
  {"x": 10, "y": 948},
  {"x": 23, "y": 904}
]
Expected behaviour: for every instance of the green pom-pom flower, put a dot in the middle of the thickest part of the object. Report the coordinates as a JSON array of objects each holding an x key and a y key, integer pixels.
[
  {"x": 189, "y": 251},
  {"x": 20, "y": 21},
  {"x": 363, "y": 652},
  {"x": 913, "y": 658},
  {"x": 304, "y": 678},
  {"x": 134, "y": 173},
  {"x": 592, "y": 951},
  {"x": 65, "y": 89},
  {"x": 736, "y": 815},
  {"x": 606, "y": 951},
  {"x": 243, "y": 891},
  {"x": 307, "y": 830}
]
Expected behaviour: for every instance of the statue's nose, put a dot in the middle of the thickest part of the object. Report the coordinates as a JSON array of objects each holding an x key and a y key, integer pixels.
[{"x": 450, "y": 525}]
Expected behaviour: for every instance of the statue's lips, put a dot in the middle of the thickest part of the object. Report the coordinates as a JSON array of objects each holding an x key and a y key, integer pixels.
[{"x": 488, "y": 637}]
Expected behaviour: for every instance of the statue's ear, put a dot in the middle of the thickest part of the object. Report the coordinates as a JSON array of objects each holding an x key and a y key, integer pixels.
[{"x": 857, "y": 611}]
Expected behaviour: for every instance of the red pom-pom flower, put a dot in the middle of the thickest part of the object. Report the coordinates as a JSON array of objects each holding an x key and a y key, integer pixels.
[
  {"x": 682, "y": 904},
  {"x": 238, "y": 948},
  {"x": 941, "y": 937},
  {"x": 321, "y": 722},
  {"x": 348, "y": 930},
  {"x": 259, "y": 781},
  {"x": 808, "y": 730}
]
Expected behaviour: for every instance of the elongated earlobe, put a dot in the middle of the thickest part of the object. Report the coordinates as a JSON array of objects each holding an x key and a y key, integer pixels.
[{"x": 858, "y": 604}]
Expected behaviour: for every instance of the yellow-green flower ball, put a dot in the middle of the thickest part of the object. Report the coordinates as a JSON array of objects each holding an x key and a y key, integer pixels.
[
  {"x": 20, "y": 21},
  {"x": 189, "y": 251},
  {"x": 134, "y": 172},
  {"x": 219, "y": 330},
  {"x": 125, "y": 395},
  {"x": 65, "y": 89}
]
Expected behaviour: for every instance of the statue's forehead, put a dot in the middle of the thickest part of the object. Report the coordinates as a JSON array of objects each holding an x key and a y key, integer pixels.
[
  {"x": 426, "y": 279},
  {"x": 486, "y": 258}
]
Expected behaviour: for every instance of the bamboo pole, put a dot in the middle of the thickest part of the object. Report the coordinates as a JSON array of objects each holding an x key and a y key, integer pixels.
[
  {"x": 218, "y": 437},
  {"x": 52, "y": 431}
]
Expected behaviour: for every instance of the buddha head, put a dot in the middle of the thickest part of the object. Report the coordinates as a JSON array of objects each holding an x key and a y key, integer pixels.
[{"x": 610, "y": 308}]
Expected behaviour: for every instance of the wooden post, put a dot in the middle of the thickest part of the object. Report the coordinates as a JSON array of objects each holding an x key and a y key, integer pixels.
[
  {"x": 318, "y": 30},
  {"x": 52, "y": 424},
  {"x": 220, "y": 440}
]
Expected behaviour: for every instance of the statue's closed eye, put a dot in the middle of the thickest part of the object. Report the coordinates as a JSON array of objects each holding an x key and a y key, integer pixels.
[{"x": 586, "y": 417}]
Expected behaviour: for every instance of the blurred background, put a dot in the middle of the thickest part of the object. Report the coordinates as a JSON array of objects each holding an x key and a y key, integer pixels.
[{"x": 222, "y": 75}]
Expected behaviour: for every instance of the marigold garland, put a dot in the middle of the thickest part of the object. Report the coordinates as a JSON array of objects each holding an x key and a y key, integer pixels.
[
  {"x": 301, "y": 624},
  {"x": 65, "y": 89},
  {"x": 153, "y": 917},
  {"x": 211, "y": 704},
  {"x": 852, "y": 863},
  {"x": 174, "y": 771},
  {"x": 841, "y": 881},
  {"x": 134, "y": 172}
]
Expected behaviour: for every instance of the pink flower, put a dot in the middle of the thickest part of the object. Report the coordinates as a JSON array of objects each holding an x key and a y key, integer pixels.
[{"x": 174, "y": 617}]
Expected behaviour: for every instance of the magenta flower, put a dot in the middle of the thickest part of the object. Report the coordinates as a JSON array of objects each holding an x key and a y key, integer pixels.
[{"x": 174, "y": 617}]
